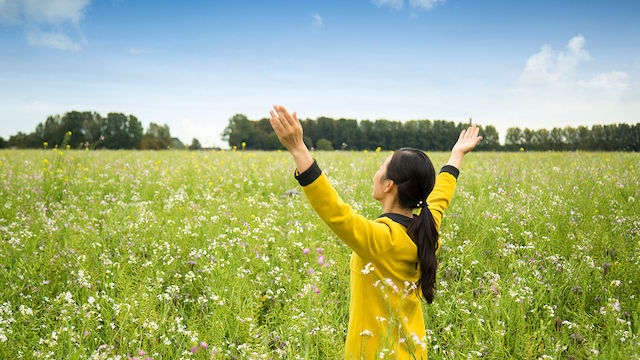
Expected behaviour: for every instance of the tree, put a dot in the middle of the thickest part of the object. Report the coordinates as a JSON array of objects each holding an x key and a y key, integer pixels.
[
  {"x": 3, "y": 144},
  {"x": 490, "y": 139},
  {"x": 514, "y": 139},
  {"x": 195, "y": 144},
  {"x": 156, "y": 138},
  {"x": 324, "y": 144},
  {"x": 238, "y": 130},
  {"x": 177, "y": 144}
]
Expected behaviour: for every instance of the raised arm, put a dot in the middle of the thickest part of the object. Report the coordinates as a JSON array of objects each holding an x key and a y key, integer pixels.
[
  {"x": 352, "y": 228},
  {"x": 446, "y": 181}
]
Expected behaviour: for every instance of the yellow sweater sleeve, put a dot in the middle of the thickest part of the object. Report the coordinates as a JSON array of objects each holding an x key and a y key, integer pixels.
[
  {"x": 367, "y": 238},
  {"x": 441, "y": 195}
]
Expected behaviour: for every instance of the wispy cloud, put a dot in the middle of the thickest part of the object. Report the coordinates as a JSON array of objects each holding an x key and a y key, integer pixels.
[
  {"x": 36, "y": 15},
  {"x": 136, "y": 51},
  {"x": 424, "y": 4},
  {"x": 413, "y": 4},
  {"x": 51, "y": 39},
  {"x": 317, "y": 20},
  {"x": 394, "y": 4},
  {"x": 553, "y": 90}
]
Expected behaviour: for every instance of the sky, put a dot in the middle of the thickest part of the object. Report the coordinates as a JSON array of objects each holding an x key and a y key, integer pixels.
[{"x": 194, "y": 64}]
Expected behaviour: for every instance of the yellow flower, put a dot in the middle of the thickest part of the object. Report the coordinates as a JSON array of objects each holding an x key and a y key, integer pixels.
[
  {"x": 69, "y": 132},
  {"x": 521, "y": 149},
  {"x": 235, "y": 148},
  {"x": 45, "y": 144},
  {"x": 68, "y": 147},
  {"x": 378, "y": 149},
  {"x": 244, "y": 144},
  {"x": 45, "y": 161}
]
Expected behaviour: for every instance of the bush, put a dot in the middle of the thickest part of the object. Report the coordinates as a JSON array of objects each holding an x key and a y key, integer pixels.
[{"x": 324, "y": 144}]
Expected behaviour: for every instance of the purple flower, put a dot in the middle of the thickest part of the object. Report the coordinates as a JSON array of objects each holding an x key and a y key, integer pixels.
[
  {"x": 306, "y": 251},
  {"x": 194, "y": 349},
  {"x": 203, "y": 345},
  {"x": 321, "y": 259},
  {"x": 319, "y": 250}
]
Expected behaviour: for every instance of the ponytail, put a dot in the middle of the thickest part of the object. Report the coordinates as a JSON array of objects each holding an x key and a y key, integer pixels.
[
  {"x": 413, "y": 173},
  {"x": 424, "y": 234}
]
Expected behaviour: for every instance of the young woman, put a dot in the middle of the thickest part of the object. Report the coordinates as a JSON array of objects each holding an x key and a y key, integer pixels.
[{"x": 394, "y": 256}]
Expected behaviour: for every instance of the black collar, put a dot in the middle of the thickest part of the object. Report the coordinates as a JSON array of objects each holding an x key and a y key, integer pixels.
[{"x": 400, "y": 219}]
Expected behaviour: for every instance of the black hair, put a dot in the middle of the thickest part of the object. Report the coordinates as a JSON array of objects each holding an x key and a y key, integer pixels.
[{"x": 412, "y": 172}]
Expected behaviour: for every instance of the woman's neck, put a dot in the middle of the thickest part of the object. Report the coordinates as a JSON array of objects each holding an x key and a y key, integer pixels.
[{"x": 394, "y": 207}]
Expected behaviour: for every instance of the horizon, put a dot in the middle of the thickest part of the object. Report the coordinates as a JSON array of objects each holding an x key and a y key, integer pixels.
[{"x": 194, "y": 66}]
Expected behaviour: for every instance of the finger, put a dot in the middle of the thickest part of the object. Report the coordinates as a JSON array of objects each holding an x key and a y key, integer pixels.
[
  {"x": 462, "y": 134},
  {"x": 295, "y": 116},
  {"x": 471, "y": 131},
  {"x": 275, "y": 123},
  {"x": 281, "y": 117},
  {"x": 475, "y": 133},
  {"x": 288, "y": 116}
]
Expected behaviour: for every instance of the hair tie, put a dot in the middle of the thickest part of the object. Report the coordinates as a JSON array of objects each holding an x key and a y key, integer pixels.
[{"x": 422, "y": 204}]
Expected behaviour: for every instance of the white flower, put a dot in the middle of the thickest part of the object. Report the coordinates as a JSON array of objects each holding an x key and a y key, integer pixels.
[
  {"x": 366, "y": 333},
  {"x": 367, "y": 269}
]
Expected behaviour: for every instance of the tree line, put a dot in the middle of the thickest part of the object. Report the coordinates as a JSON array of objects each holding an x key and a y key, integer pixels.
[
  {"x": 325, "y": 133},
  {"x": 119, "y": 131},
  {"x": 91, "y": 130}
]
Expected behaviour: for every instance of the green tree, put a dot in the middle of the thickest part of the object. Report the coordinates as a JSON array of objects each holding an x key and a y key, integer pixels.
[
  {"x": 238, "y": 130},
  {"x": 514, "y": 139},
  {"x": 324, "y": 144},
  {"x": 156, "y": 137},
  {"x": 195, "y": 144}
]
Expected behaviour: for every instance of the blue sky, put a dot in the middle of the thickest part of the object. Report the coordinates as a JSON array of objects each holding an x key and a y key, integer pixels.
[{"x": 194, "y": 64}]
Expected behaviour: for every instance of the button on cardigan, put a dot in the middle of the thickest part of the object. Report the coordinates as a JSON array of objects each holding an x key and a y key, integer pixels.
[{"x": 385, "y": 313}]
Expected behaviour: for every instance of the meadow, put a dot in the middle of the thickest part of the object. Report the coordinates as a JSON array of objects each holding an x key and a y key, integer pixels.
[{"x": 218, "y": 255}]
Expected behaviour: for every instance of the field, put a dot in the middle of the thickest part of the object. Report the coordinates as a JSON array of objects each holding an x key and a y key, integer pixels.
[{"x": 217, "y": 255}]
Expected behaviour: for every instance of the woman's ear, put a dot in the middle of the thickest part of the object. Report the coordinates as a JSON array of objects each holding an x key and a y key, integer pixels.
[{"x": 389, "y": 186}]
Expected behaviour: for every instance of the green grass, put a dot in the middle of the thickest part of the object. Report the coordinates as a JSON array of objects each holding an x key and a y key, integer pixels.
[{"x": 106, "y": 254}]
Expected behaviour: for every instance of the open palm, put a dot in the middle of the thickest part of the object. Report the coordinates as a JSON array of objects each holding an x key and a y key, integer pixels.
[{"x": 468, "y": 139}]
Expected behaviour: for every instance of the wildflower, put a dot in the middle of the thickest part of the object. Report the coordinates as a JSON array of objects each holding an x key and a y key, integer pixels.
[
  {"x": 321, "y": 259},
  {"x": 319, "y": 250},
  {"x": 244, "y": 144},
  {"x": 367, "y": 269},
  {"x": 306, "y": 251},
  {"x": 366, "y": 333},
  {"x": 203, "y": 345},
  {"x": 316, "y": 290},
  {"x": 45, "y": 144},
  {"x": 194, "y": 349},
  {"x": 69, "y": 133}
]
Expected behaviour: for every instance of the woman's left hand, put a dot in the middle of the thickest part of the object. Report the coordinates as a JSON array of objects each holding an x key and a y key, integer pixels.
[
  {"x": 289, "y": 131},
  {"x": 288, "y": 128}
]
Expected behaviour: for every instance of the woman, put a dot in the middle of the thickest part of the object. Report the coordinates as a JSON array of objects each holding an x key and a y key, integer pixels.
[{"x": 394, "y": 257}]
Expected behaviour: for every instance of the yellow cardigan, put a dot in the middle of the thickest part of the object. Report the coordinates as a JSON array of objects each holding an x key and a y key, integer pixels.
[{"x": 385, "y": 315}]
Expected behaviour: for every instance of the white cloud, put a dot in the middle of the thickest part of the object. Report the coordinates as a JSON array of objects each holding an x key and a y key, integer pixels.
[
  {"x": 42, "y": 11},
  {"x": 546, "y": 66},
  {"x": 424, "y": 4},
  {"x": 35, "y": 15},
  {"x": 136, "y": 51},
  {"x": 394, "y": 4},
  {"x": 52, "y": 40},
  {"x": 317, "y": 20},
  {"x": 414, "y": 4},
  {"x": 553, "y": 91}
]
